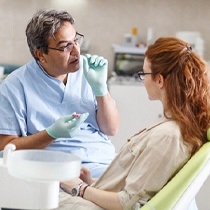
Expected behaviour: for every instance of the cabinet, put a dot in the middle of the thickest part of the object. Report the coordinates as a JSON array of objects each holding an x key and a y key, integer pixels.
[
  {"x": 136, "y": 110},
  {"x": 128, "y": 60}
]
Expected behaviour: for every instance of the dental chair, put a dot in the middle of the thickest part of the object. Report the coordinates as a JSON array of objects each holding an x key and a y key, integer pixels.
[{"x": 180, "y": 192}]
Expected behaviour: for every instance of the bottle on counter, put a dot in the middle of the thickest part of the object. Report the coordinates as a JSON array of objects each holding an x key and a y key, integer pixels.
[{"x": 134, "y": 36}]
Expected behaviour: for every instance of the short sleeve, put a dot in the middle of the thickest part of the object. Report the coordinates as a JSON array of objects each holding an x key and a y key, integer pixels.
[{"x": 11, "y": 110}]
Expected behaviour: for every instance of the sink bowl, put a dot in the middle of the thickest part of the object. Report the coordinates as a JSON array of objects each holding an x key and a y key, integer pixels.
[{"x": 43, "y": 165}]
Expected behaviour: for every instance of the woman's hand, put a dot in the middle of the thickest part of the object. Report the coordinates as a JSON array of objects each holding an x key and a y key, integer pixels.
[
  {"x": 85, "y": 176},
  {"x": 68, "y": 185}
]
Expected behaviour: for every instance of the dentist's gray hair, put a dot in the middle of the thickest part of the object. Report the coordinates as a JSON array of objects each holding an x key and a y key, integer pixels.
[{"x": 44, "y": 24}]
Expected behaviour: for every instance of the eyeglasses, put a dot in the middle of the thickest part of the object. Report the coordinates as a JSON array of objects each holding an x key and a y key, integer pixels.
[
  {"x": 78, "y": 40},
  {"x": 142, "y": 74}
]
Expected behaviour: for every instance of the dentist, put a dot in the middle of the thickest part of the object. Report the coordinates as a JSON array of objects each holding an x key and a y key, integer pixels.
[{"x": 59, "y": 100}]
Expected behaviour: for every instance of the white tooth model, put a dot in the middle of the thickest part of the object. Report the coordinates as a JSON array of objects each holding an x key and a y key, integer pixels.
[{"x": 30, "y": 179}]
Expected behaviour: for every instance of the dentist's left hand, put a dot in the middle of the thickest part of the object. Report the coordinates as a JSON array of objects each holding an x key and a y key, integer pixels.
[
  {"x": 66, "y": 127},
  {"x": 95, "y": 71}
]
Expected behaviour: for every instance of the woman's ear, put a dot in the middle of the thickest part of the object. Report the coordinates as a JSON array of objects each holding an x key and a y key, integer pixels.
[
  {"x": 160, "y": 81},
  {"x": 40, "y": 56}
]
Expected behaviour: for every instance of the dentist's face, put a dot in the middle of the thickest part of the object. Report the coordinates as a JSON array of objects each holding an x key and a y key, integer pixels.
[{"x": 58, "y": 62}]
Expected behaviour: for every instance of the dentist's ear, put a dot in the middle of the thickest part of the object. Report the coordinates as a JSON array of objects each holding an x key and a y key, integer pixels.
[{"x": 40, "y": 56}]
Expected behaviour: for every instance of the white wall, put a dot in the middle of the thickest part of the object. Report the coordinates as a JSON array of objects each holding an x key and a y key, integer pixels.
[{"x": 103, "y": 22}]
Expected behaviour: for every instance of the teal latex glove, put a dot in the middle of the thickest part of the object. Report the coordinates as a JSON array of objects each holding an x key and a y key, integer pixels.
[
  {"x": 95, "y": 70},
  {"x": 66, "y": 127}
]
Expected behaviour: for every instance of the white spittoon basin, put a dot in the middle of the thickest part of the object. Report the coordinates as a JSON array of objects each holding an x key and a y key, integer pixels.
[
  {"x": 43, "y": 165},
  {"x": 32, "y": 178}
]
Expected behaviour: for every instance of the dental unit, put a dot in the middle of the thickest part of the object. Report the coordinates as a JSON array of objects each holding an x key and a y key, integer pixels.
[{"x": 30, "y": 179}]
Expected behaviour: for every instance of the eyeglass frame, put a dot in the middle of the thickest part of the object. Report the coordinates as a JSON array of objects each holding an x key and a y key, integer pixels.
[
  {"x": 142, "y": 74},
  {"x": 65, "y": 49}
]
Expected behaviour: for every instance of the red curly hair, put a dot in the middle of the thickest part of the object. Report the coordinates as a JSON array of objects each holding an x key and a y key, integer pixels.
[{"x": 187, "y": 87}]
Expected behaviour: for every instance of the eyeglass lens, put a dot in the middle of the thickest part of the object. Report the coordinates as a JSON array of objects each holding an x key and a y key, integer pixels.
[
  {"x": 78, "y": 40},
  {"x": 141, "y": 75}
]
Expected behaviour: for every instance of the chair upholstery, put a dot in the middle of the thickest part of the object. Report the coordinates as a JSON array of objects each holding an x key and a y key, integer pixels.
[{"x": 182, "y": 189}]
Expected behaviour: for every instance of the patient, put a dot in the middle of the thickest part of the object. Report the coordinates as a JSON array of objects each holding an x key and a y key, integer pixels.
[{"x": 174, "y": 74}]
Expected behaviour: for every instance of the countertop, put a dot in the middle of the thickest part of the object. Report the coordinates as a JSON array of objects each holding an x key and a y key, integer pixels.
[{"x": 125, "y": 80}]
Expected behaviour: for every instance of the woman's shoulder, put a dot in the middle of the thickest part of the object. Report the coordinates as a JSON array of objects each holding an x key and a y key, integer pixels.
[
  {"x": 166, "y": 127},
  {"x": 168, "y": 135}
]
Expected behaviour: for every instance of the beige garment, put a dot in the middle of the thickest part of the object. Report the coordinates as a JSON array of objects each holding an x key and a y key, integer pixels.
[
  {"x": 142, "y": 167},
  {"x": 67, "y": 202}
]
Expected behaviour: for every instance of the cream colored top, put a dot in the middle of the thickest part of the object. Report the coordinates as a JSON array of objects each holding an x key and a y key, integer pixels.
[{"x": 144, "y": 164}]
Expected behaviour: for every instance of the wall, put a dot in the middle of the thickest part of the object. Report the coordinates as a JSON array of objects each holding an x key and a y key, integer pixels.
[{"x": 103, "y": 22}]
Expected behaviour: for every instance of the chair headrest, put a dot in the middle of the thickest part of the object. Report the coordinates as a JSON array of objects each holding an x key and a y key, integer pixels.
[{"x": 208, "y": 134}]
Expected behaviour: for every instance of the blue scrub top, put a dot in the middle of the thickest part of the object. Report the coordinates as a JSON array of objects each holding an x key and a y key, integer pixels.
[{"x": 31, "y": 100}]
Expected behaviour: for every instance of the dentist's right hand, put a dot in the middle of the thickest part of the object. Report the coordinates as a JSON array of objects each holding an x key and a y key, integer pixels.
[
  {"x": 95, "y": 71},
  {"x": 66, "y": 127}
]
